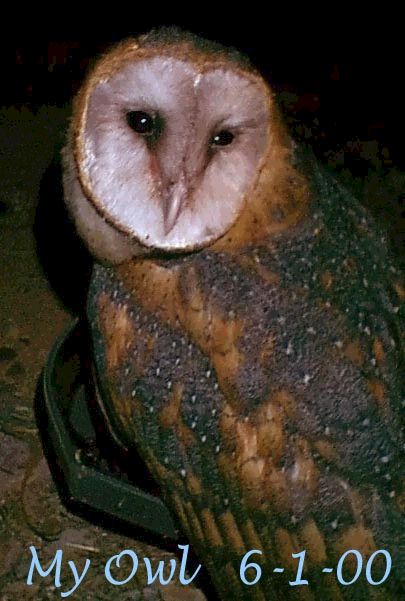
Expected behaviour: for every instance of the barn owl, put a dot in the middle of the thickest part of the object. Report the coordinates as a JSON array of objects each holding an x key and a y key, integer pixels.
[{"x": 246, "y": 323}]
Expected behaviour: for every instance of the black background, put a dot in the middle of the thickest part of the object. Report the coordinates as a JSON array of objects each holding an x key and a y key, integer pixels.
[{"x": 355, "y": 64}]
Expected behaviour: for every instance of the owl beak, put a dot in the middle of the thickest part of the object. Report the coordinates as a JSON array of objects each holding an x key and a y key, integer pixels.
[{"x": 173, "y": 203}]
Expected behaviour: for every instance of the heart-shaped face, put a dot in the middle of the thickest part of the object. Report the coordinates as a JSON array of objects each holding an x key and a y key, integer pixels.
[{"x": 168, "y": 142}]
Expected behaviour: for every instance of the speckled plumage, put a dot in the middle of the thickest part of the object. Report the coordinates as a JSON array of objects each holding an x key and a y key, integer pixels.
[
  {"x": 268, "y": 404},
  {"x": 262, "y": 380}
]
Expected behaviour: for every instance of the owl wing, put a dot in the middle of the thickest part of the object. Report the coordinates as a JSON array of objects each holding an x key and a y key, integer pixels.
[{"x": 264, "y": 390}]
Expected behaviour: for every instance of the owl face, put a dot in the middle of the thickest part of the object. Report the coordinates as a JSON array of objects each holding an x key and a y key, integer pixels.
[{"x": 167, "y": 146}]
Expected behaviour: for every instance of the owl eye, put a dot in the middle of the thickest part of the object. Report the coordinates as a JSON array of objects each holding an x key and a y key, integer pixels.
[
  {"x": 222, "y": 138},
  {"x": 141, "y": 122}
]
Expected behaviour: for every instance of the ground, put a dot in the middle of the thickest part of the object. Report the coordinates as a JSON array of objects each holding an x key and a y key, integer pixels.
[{"x": 32, "y": 315}]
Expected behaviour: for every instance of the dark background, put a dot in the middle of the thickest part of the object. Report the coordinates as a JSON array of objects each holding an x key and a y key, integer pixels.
[
  {"x": 339, "y": 78},
  {"x": 356, "y": 71}
]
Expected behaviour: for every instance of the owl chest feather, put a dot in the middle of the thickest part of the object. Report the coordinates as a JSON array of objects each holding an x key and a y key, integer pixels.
[{"x": 265, "y": 380}]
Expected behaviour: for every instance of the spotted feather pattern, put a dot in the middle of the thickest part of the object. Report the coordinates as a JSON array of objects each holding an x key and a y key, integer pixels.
[{"x": 264, "y": 387}]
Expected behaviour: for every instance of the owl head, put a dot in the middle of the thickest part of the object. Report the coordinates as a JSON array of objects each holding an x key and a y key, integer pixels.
[{"x": 169, "y": 137}]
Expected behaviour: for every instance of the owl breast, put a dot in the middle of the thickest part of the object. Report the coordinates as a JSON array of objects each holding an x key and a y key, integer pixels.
[{"x": 263, "y": 388}]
